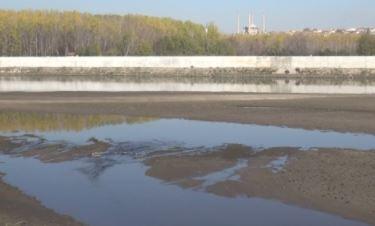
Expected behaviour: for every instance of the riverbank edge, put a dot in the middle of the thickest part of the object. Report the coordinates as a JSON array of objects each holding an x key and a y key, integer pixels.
[
  {"x": 347, "y": 73},
  {"x": 17, "y": 208},
  {"x": 340, "y": 113},
  {"x": 192, "y": 65}
]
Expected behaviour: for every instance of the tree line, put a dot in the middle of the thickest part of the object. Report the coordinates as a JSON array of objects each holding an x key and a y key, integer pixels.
[{"x": 54, "y": 33}]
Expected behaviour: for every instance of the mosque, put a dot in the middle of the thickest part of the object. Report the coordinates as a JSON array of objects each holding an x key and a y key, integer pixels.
[{"x": 251, "y": 28}]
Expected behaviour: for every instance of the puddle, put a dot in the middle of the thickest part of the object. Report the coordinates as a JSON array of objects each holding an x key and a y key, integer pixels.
[{"x": 183, "y": 172}]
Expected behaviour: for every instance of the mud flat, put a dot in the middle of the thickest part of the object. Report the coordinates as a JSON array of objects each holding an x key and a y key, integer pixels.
[
  {"x": 114, "y": 170},
  {"x": 118, "y": 151},
  {"x": 344, "y": 113},
  {"x": 335, "y": 181}
]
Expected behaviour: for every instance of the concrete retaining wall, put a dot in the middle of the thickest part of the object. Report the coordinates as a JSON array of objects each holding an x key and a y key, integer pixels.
[
  {"x": 188, "y": 62},
  {"x": 204, "y": 65}
]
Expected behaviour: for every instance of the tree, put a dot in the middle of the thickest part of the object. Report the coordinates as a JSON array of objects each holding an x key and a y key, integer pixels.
[
  {"x": 366, "y": 45},
  {"x": 54, "y": 33},
  {"x": 144, "y": 49},
  {"x": 296, "y": 45},
  {"x": 127, "y": 43}
]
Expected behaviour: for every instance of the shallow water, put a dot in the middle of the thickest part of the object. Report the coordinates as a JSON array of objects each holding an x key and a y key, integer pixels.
[
  {"x": 200, "y": 133},
  {"x": 116, "y": 188},
  {"x": 123, "y": 194}
]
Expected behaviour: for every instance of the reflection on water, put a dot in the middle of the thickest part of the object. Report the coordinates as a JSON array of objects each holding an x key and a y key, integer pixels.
[
  {"x": 49, "y": 122},
  {"x": 254, "y": 86},
  {"x": 200, "y": 133},
  {"x": 123, "y": 195},
  {"x": 181, "y": 172}
]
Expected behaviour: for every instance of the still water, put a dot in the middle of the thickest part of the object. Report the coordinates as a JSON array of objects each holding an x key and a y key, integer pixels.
[
  {"x": 275, "y": 86},
  {"x": 166, "y": 171}
]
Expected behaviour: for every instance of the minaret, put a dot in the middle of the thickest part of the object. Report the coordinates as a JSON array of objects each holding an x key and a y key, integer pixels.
[
  {"x": 264, "y": 24},
  {"x": 250, "y": 20},
  {"x": 238, "y": 24}
]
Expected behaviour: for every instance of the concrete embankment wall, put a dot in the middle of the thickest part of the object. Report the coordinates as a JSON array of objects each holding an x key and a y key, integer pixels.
[{"x": 336, "y": 75}]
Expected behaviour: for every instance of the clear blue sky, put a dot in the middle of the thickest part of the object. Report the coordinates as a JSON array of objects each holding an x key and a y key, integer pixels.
[{"x": 281, "y": 14}]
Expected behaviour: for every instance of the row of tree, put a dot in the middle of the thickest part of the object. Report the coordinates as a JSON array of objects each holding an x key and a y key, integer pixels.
[
  {"x": 53, "y": 33},
  {"x": 300, "y": 44}
]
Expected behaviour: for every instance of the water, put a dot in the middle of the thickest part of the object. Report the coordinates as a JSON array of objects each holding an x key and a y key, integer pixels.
[
  {"x": 277, "y": 86},
  {"x": 209, "y": 134},
  {"x": 124, "y": 195},
  {"x": 117, "y": 188}
]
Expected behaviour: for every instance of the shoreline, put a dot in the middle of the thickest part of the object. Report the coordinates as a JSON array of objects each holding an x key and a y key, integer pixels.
[
  {"x": 341, "y": 113},
  {"x": 191, "y": 65},
  {"x": 18, "y": 208}
]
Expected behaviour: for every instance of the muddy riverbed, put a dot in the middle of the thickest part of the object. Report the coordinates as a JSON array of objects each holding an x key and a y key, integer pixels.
[
  {"x": 343, "y": 113},
  {"x": 112, "y": 169}
]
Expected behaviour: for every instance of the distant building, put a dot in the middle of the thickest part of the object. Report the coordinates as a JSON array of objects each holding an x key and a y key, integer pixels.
[
  {"x": 351, "y": 30},
  {"x": 251, "y": 28},
  {"x": 317, "y": 31},
  {"x": 361, "y": 30}
]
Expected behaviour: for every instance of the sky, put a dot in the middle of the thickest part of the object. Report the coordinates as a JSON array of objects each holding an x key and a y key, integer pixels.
[{"x": 281, "y": 14}]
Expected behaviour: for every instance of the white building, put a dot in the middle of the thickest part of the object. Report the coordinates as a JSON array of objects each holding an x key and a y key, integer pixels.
[{"x": 251, "y": 28}]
